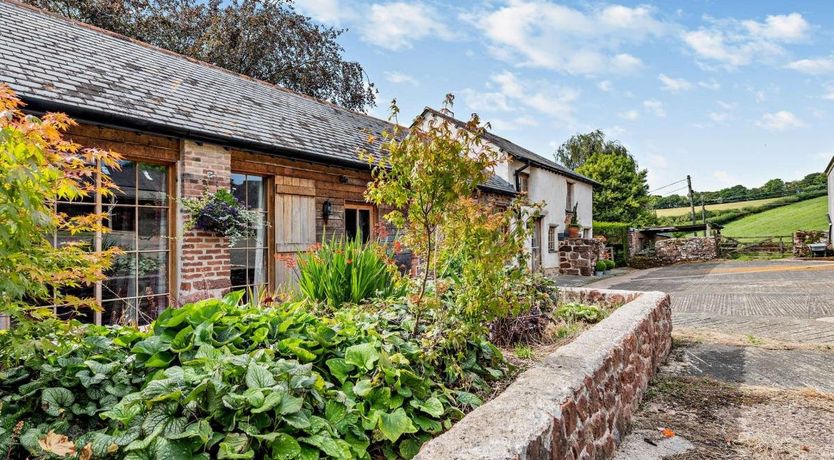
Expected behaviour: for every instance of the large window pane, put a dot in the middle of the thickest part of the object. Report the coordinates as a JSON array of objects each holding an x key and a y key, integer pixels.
[
  {"x": 122, "y": 223},
  {"x": 74, "y": 210},
  {"x": 125, "y": 180},
  {"x": 153, "y": 185},
  {"x": 153, "y": 229},
  {"x": 152, "y": 273},
  {"x": 121, "y": 278},
  {"x": 150, "y": 307},
  {"x": 238, "y": 187},
  {"x": 121, "y": 311},
  {"x": 255, "y": 192}
]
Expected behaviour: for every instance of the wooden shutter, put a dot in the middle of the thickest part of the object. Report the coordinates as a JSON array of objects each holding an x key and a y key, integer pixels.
[{"x": 295, "y": 222}]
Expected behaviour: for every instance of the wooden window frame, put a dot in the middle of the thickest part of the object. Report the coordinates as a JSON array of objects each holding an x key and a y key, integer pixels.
[
  {"x": 360, "y": 207},
  {"x": 270, "y": 190},
  {"x": 524, "y": 182},
  {"x": 552, "y": 238},
  {"x": 173, "y": 289},
  {"x": 269, "y": 202},
  {"x": 570, "y": 195}
]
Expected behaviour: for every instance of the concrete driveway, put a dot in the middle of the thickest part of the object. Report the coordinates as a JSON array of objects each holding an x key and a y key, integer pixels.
[
  {"x": 752, "y": 371},
  {"x": 784, "y": 300}
]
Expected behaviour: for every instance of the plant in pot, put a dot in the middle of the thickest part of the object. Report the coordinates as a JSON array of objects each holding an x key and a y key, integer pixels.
[
  {"x": 573, "y": 226},
  {"x": 609, "y": 264},
  {"x": 221, "y": 212},
  {"x": 600, "y": 267}
]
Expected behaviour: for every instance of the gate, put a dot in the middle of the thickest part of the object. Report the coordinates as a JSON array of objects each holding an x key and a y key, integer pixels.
[{"x": 756, "y": 246}]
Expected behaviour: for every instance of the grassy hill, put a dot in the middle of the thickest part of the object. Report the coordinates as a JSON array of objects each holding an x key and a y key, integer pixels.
[
  {"x": 784, "y": 220},
  {"x": 714, "y": 207}
]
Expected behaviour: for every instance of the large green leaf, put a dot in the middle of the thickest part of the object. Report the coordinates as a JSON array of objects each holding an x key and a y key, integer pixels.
[
  {"x": 431, "y": 406},
  {"x": 363, "y": 355},
  {"x": 362, "y": 388},
  {"x": 284, "y": 447},
  {"x": 339, "y": 368},
  {"x": 235, "y": 446},
  {"x": 56, "y": 400},
  {"x": 290, "y": 405},
  {"x": 271, "y": 400},
  {"x": 333, "y": 448},
  {"x": 395, "y": 424},
  {"x": 258, "y": 377}
]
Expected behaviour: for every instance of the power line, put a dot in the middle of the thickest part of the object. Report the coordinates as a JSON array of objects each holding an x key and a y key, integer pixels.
[
  {"x": 674, "y": 191},
  {"x": 667, "y": 185}
]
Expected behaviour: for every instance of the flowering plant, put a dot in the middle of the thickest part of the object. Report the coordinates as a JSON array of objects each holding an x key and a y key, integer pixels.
[{"x": 220, "y": 212}]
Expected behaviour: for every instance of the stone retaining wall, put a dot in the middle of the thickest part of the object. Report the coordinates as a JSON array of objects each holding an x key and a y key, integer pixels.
[
  {"x": 578, "y": 256},
  {"x": 578, "y": 402},
  {"x": 676, "y": 250}
]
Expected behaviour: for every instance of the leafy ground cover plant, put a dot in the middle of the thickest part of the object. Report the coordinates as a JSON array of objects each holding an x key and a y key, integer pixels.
[
  {"x": 344, "y": 270},
  {"x": 573, "y": 312},
  {"x": 218, "y": 380}
]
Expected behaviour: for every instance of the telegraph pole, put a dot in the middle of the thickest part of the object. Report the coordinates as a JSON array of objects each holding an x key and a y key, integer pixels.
[{"x": 691, "y": 201}]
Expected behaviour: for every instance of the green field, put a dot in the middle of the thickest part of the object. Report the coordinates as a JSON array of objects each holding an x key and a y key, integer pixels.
[
  {"x": 784, "y": 220},
  {"x": 714, "y": 207}
]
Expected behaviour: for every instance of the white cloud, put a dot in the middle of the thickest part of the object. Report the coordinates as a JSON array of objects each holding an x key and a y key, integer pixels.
[
  {"x": 399, "y": 78},
  {"x": 630, "y": 115},
  {"x": 816, "y": 66},
  {"x": 711, "y": 84},
  {"x": 829, "y": 93},
  {"x": 604, "y": 85},
  {"x": 501, "y": 124},
  {"x": 397, "y": 25},
  {"x": 726, "y": 105},
  {"x": 573, "y": 41},
  {"x": 719, "y": 117},
  {"x": 507, "y": 93},
  {"x": 674, "y": 85},
  {"x": 733, "y": 43},
  {"x": 326, "y": 11},
  {"x": 655, "y": 106},
  {"x": 788, "y": 28},
  {"x": 779, "y": 121}
]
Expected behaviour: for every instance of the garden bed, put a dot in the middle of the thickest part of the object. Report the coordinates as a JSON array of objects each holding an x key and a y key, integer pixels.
[{"x": 578, "y": 401}]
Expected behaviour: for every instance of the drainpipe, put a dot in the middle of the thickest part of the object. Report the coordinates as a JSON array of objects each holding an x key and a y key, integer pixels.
[{"x": 515, "y": 174}]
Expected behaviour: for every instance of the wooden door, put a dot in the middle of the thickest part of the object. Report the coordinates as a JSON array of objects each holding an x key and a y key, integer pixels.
[{"x": 295, "y": 223}]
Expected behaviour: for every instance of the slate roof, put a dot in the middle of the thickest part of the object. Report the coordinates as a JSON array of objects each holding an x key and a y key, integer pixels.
[
  {"x": 520, "y": 152},
  {"x": 59, "y": 64},
  {"x": 54, "y": 63}
]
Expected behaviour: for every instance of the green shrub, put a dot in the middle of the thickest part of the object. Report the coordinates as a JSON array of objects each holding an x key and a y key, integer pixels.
[
  {"x": 218, "y": 380},
  {"x": 601, "y": 266},
  {"x": 573, "y": 312},
  {"x": 347, "y": 270},
  {"x": 609, "y": 264}
]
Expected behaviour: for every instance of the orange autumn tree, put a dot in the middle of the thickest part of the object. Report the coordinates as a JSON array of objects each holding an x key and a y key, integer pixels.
[{"x": 37, "y": 167}]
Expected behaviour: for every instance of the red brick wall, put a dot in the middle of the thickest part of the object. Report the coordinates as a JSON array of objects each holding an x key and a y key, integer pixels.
[{"x": 205, "y": 264}]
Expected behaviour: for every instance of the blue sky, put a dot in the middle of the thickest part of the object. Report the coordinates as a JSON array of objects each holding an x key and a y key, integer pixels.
[{"x": 729, "y": 92}]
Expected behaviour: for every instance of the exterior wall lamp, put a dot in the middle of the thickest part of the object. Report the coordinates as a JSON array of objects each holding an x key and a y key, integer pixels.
[{"x": 327, "y": 209}]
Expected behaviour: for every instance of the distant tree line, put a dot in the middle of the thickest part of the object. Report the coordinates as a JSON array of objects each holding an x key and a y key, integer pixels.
[{"x": 771, "y": 189}]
